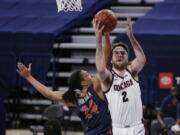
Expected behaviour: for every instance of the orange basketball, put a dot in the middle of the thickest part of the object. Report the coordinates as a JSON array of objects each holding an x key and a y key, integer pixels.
[{"x": 107, "y": 18}]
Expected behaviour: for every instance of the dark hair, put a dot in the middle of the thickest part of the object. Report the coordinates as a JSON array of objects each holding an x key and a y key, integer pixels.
[
  {"x": 74, "y": 83},
  {"x": 121, "y": 44},
  {"x": 176, "y": 88},
  {"x": 52, "y": 127}
]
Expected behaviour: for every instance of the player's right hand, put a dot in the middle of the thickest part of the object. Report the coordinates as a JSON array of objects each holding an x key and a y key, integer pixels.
[
  {"x": 98, "y": 28},
  {"x": 23, "y": 70}
]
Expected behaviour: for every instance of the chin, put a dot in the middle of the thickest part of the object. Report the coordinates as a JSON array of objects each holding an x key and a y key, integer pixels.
[{"x": 119, "y": 65}]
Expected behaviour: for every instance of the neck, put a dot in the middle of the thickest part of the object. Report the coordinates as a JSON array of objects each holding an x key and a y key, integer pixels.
[
  {"x": 122, "y": 67},
  {"x": 84, "y": 89},
  {"x": 119, "y": 71}
]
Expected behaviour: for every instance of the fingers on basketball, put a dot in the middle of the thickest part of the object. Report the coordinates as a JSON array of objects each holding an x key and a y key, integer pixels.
[{"x": 107, "y": 18}]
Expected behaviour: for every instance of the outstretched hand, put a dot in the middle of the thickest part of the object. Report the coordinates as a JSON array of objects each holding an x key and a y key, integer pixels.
[
  {"x": 23, "y": 70},
  {"x": 98, "y": 29},
  {"x": 129, "y": 30}
]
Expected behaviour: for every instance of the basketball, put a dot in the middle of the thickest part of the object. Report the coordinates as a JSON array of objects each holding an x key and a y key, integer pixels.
[{"x": 107, "y": 18}]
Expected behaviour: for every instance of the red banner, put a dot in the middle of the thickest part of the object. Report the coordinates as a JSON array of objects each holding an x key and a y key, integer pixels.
[{"x": 166, "y": 80}]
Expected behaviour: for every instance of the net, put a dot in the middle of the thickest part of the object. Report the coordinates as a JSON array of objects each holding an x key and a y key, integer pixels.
[{"x": 69, "y": 5}]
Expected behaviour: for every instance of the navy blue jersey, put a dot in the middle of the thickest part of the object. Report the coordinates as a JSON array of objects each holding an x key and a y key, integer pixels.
[{"x": 94, "y": 113}]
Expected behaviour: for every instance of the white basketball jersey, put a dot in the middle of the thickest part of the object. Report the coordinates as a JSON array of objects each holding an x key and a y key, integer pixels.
[{"x": 124, "y": 98}]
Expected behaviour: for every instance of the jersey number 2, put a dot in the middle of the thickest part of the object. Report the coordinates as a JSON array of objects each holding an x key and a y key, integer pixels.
[{"x": 125, "y": 99}]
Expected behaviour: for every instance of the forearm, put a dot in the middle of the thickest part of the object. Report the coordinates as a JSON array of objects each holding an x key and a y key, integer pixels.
[
  {"x": 100, "y": 58},
  {"x": 40, "y": 87},
  {"x": 139, "y": 53},
  {"x": 107, "y": 51}
]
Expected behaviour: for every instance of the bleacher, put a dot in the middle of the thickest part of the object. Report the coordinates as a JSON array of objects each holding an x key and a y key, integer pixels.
[
  {"x": 158, "y": 33},
  {"x": 28, "y": 30},
  {"x": 58, "y": 43}
]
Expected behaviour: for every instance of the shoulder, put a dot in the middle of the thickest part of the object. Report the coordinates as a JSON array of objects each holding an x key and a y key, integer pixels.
[
  {"x": 98, "y": 88},
  {"x": 134, "y": 74}
]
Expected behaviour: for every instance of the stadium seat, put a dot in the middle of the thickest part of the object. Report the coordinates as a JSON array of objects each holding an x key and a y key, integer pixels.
[
  {"x": 130, "y": 1},
  {"x": 144, "y": 26},
  {"x": 153, "y": 1},
  {"x": 172, "y": 1},
  {"x": 52, "y": 112},
  {"x": 160, "y": 11}
]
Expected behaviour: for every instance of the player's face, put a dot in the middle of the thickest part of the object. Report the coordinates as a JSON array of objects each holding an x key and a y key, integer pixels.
[
  {"x": 119, "y": 57},
  {"x": 87, "y": 79}
]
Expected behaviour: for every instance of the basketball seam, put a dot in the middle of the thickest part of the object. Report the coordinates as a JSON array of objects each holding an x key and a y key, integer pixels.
[{"x": 106, "y": 19}]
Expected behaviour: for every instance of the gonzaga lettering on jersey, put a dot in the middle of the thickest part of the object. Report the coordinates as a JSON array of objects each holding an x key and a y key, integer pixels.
[
  {"x": 123, "y": 85},
  {"x": 124, "y": 97}
]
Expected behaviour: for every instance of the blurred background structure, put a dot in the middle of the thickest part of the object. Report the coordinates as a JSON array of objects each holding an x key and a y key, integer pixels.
[{"x": 32, "y": 31}]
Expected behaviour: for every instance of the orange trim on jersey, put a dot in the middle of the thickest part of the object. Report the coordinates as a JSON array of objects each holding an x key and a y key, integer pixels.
[
  {"x": 82, "y": 95},
  {"x": 109, "y": 131},
  {"x": 91, "y": 108}
]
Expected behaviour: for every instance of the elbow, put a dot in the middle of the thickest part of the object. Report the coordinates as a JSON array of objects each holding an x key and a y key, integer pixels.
[
  {"x": 144, "y": 59},
  {"x": 49, "y": 95}
]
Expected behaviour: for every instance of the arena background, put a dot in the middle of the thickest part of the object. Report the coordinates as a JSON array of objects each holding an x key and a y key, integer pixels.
[{"x": 32, "y": 31}]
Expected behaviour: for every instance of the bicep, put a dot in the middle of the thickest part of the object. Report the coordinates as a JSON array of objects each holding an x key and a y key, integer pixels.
[
  {"x": 57, "y": 96},
  {"x": 103, "y": 76},
  {"x": 136, "y": 66},
  {"x": 105, "y": 80}
]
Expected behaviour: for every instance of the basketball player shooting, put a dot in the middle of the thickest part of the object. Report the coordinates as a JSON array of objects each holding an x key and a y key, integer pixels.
[{"x": 120, "y": 84}]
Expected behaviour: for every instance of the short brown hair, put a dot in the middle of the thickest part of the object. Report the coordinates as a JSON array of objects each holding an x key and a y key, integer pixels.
[{"x": 121, "y": 44}]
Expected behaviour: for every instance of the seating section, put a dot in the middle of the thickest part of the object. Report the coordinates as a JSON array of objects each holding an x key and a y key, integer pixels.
[
  {"x": 28, "y": 30},
  {"x": 32, "y": 26},
  {"x": 158, "y": 32},
  {"x": 42, "y": 16}
]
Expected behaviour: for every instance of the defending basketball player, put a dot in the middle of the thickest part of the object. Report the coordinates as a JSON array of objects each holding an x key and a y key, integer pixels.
[
  {"x": 84, "y": 93},
  {"x": 120, "y": 84}
]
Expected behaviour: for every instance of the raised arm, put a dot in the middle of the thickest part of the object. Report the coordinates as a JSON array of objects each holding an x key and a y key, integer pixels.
[
  {"x": 26, "y": 74},
  {"x": 107, "y": 50},
  {"x": 138, "y": 63},
  {"x": 103, "y": 73}
]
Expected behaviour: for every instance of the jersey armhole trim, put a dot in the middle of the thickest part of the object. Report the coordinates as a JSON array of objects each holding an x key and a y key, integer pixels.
[
  {"x": 117, "y": 74},
  {"x": 132, "y": 75},
  {"x": 110, "y": 84}
]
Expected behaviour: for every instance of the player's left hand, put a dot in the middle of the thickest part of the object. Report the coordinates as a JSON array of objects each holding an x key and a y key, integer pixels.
[
  {"x": 23, "y": 70},
  {"x": 128, "y": 24},
  {"x": 97, "y": 27}
]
